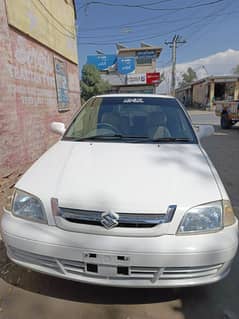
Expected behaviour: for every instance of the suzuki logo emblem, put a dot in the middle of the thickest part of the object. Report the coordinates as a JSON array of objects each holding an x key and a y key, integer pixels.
[{"x": 109, "y": 220}]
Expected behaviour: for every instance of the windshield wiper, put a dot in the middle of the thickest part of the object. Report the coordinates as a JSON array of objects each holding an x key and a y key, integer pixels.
[
  {"x": 130, "y": 138},
  {"x": 171, "y": 139},
  {"x": 107, "y": 137}
]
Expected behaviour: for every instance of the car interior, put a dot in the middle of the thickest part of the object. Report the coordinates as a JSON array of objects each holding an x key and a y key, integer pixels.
[{"x": 154, "y": 123}]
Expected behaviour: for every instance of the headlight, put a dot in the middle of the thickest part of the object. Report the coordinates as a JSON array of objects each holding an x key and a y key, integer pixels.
[
  {"x": 28, "y": 207},
  {"x": 203, "y": 219}
]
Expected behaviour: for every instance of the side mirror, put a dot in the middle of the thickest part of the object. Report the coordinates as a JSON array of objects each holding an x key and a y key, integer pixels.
[
  {"x": 204, "y": 130},
  {"x": 58, "y": 128}
]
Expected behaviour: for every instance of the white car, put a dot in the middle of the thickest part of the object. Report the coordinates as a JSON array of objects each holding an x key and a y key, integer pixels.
[{"x": 127, "y": 197}]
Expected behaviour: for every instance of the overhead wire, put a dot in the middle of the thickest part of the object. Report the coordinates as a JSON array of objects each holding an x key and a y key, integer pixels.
[
  {"x": 126, "y": 5},
  {"x": 69, "y": 35},
  {"x": 55, "y": 19},
  {"x": 146, "y": 37},
  {"x": 126, "y": 25},
  {"x": 204, "y": 25},
  {"x": 130, "y": 24},
  {"x": 147, "y": 7},
  {"x": 139, "y": 26},
  {"x": 164, "y": 65}
]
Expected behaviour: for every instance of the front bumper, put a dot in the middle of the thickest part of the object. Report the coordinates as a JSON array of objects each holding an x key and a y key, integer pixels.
[{"x": 165, "y": 261}]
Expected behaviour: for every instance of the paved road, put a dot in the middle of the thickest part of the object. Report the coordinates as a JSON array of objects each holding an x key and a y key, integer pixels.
[
  {"x": 204, "y": 117},
  {"x": 25, "y": 294}
]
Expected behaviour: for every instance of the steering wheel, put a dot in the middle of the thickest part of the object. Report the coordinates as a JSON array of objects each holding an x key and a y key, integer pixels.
[{"x": 107, "y": 126}]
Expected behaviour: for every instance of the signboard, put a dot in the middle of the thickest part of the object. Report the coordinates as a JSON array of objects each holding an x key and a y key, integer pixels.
[
  {"x": 139, "y": 78},
  {"x": 61, "y": 84},
  {"x": 102, "y": 62},
  {"x": 125, "y": 65},
  {"x": 153, "y": 78},
  {"x": 146, "y": 54}
]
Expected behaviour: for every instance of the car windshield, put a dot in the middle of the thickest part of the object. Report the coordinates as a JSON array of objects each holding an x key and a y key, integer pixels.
[{"x": 132, "y": 119}]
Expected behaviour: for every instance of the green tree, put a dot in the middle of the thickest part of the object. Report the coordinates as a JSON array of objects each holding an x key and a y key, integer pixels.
[
  {"x": 236, "y": 70},
  {"x": 91, "y": 83},
  {"x": 188, "y": 77}
]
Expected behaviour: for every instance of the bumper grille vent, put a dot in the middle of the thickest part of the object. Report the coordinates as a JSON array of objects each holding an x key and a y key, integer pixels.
[{"x": 31, "y": 258}]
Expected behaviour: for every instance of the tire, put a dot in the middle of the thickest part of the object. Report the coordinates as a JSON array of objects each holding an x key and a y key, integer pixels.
[{"x": 226, "y": 123}]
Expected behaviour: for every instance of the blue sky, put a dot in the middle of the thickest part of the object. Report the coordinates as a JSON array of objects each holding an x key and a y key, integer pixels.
[{"x": 208, "y": 29}]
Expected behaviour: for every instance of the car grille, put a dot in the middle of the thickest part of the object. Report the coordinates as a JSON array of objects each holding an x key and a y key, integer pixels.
[
  {"x": 80, "y": 268},
  {"x": 125, "y": 219}
]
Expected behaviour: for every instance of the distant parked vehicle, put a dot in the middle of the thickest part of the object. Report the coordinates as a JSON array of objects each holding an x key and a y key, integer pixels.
[{"x": 228, "y": 112}]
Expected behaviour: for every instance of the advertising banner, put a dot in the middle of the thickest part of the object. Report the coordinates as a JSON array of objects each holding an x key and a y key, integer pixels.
[
  {"x": 146, "y": 54},
  {"x": 139, "y": 78},
  {"x": 125, "y": 65},
  {"x": 153, "y": 78},
  {"x": 102, "y": 62},
  {"x": 61, "y": 84}
]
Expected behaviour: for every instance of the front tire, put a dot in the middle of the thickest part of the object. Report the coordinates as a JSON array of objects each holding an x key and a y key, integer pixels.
[{"x": 226, "y": 123}]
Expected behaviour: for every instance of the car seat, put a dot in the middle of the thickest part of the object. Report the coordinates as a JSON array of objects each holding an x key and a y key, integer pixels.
[
  {"x": 111, "y": 117},
  {"x": 157, "y": 125}
]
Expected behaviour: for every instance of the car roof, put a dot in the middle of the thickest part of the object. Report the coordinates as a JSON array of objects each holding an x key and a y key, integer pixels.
[{"x": 137, "y": 95}]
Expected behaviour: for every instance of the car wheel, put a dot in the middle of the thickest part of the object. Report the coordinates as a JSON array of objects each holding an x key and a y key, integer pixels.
[{"x": 226, "y": 123}]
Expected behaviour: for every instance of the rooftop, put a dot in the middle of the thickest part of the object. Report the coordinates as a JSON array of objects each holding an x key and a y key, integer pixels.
[{"x": 216, "y": 78}]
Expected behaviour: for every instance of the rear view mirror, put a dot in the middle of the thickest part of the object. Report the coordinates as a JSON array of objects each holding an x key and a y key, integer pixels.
[
  {"x": 58, "y": 128},
  {"x": 204, "y": 130}
]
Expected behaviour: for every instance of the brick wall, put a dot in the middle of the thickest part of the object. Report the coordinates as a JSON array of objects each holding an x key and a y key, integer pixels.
[{"x": 28, "y": 100}]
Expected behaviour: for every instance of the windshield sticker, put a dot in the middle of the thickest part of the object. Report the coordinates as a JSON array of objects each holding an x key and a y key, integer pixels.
[{"x": 133, "y": 100}]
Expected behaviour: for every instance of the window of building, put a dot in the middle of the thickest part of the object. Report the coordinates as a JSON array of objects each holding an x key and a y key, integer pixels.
[
  {"x": 144, "y": 60},
  {"x": 224, "y": 91}
]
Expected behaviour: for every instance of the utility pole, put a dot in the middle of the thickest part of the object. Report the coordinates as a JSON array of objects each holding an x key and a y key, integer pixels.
[{"x": 173, "y": 44}]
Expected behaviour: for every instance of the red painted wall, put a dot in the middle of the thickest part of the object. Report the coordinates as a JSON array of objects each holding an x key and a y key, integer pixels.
[{"x": 28, "y": 99}]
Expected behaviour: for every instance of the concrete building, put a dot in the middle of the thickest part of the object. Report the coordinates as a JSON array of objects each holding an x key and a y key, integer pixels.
[
  {"x": 130, "y": 70},
  {"x": 208, "y": 90},
  {"x": 39, "y": 79}
]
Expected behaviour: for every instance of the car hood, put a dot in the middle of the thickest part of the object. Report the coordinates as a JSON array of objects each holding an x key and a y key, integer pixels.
[{"x": 124, "y": 177}]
